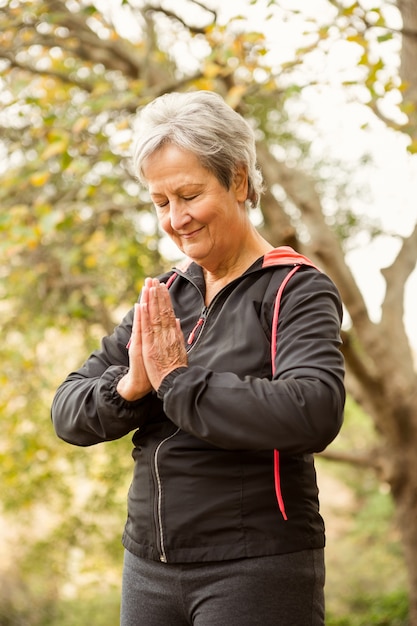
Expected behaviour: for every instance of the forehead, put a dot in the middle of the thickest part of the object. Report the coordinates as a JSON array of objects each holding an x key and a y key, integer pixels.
[
  {"x": 173, "y": 167},
  {"x": 169, "y": 156}
]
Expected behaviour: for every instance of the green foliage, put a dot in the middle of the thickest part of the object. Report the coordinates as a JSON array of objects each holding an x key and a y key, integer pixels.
[
  {"x": 77, "y": 239},
  {"x": 97, "y": 611},
  {"x": 21, "y": 606},
  {"x": 363, "y": 548},
  {"x": 380, "y": 610}
]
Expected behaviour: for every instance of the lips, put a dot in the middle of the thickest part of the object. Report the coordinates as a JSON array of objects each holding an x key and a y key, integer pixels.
[{"x": 191, "y": 234}]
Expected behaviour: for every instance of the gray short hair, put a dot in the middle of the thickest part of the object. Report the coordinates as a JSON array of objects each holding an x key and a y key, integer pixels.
[{"x": 203, "y": 123}]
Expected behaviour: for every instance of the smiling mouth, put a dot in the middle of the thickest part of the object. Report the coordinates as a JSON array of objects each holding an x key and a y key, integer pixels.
[{"x": 192, "y": 234}]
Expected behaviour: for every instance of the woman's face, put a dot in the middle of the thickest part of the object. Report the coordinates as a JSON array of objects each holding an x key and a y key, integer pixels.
[{"x": 205, "y": 220}]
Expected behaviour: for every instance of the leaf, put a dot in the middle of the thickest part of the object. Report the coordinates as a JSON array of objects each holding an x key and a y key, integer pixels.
[
  {"x": 385, "y": 37},
  {"x": 80, "y": 124},
  {"x": 57, "y": 147},
  {"x": 234, "y": 95},
  {"x": 40, "y": 178},
  {"x": 412, "y": 147},
  {"x": 211, "y": 70}
]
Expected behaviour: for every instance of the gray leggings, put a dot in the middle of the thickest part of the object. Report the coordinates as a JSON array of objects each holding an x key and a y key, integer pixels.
[{"x": 280, "y": 590}]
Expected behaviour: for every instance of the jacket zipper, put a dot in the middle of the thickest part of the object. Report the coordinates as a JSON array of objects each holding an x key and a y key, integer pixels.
[
  {"x": 191, "y": 341},
  {"x": 195, "y": 334},
  {"x": 200, "y": 323},
  {"x": 193, "y": 337},
  {"x": 160, "y": 531}
]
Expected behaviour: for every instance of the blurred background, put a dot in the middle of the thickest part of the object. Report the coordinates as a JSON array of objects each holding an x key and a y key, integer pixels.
[{"x": 330, "y": 86}]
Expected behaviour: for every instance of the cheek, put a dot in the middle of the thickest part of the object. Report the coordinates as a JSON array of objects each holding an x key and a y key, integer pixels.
[{"x": 164, "y": 222}]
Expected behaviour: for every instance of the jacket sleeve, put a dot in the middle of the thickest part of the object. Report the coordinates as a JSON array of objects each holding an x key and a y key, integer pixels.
[
  {"x": 87, "y": 408},
  {"x": 300, "y": 410}
]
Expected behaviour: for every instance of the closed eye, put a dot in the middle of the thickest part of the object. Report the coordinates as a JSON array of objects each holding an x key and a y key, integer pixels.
[
  {"x": 159, "y": 205},
  {"x": 163, "y": 203}
]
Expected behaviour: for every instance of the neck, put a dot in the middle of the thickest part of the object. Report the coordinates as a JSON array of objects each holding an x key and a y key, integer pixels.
[{"x": 249, "y": 251}]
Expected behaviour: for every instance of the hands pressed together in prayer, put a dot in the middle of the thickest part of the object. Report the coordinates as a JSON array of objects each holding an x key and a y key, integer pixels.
[{"x": 156, "y": 346}]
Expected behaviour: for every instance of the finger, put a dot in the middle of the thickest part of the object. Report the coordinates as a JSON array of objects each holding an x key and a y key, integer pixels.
[
  {"x": 135, "y": 337},
  {"x": 165, "y": 297},
  {"x": 153, "y": 309},
  {"x": 145, "y": 290},
  {"x": 134, "y": 323},
  {"x": 166, "y": 312},
  {"x": 147, "y": 298},
  {"x": 146, "y": 327}
]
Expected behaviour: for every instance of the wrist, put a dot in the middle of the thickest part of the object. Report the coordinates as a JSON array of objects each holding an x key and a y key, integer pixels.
[
  {"x": 129, "y": 391},
  {"x": 169, "y": 379}
]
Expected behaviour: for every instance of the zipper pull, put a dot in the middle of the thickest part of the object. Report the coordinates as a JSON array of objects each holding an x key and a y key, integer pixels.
[
  {"x": 191, "y": 336},
  {"x": 200, "y": 322}
]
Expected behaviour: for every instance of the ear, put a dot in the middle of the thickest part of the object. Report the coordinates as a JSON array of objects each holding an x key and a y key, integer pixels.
[{"x": 240, "y": 183}]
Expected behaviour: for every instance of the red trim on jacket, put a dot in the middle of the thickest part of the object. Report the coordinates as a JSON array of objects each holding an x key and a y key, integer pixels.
[
  {"x": 285, "y": 255},
  {"x": 281, "y": 256}
]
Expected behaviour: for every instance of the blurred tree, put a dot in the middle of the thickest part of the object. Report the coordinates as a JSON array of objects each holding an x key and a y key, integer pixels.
[{"x": 80, "y": 234}]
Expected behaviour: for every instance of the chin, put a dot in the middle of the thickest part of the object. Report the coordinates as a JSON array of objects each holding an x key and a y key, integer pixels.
[{"x": 193, "y": 252}]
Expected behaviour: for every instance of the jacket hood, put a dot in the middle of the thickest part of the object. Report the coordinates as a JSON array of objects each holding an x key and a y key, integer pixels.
[{"x": 285, "y": 255}]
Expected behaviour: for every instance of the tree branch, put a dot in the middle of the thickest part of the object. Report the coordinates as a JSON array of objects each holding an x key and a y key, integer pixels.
[
  {"x": 196, "y": 30},
  {"x": 373, "y": 106},
  {"x": 277, "y": 225},
  {"x": 392, "y": 309},
  {"x": 370, "y": 459},
  {"x": 114, "y": 53},
  {"x": 32, "y": 69},
  {"x": 396, "y": 276},
  {"x": 204, "y": 6},
  {"x": 323, "y": 244},
  {"x": 362, "y": 368}
]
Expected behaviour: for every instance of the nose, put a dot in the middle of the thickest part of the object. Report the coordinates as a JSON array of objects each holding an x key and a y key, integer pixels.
[{"x": 178, "y": 214}]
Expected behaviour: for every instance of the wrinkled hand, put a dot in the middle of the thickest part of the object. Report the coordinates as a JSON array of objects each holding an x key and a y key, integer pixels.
[
  {"x": 135, "y": 384},
  {"x": 156, "y": 346},
  {"x": 162, "y": 340}
]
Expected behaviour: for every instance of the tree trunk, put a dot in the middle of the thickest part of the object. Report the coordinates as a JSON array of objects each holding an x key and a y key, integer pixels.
[
  {"x": 404, "y": 492},
  {"x": 408, "y": 69},
  {"x": 380, "y": 370},
  {"x": 404, "y": 487}
]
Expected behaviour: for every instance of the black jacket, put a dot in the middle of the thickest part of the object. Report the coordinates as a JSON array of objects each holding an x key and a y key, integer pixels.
[{"x": 203, "y": 484}]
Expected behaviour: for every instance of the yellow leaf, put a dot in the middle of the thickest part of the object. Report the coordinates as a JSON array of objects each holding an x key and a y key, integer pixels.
[
  {"x": 211, "y": 70},
  {"x": 90, "y": 261},
  {"x": 80, "y": 125},
  {"x": 54, "y": 148},
  {"x": 122, "y": 124},
  {"x": 234, "y": 95},
  {"x": 39, "y": 179},
  {"x": 412, "y": 147}
]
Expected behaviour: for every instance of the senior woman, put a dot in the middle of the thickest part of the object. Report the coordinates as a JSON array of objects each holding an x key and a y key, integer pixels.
[{"x": 229, "y": 371}]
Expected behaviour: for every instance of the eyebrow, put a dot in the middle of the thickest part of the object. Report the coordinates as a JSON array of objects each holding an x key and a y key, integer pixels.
[{"x": 178, "y": 190}]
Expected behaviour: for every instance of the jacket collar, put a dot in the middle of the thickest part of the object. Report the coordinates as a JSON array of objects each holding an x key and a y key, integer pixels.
[{"x": 285, "y": 255}]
